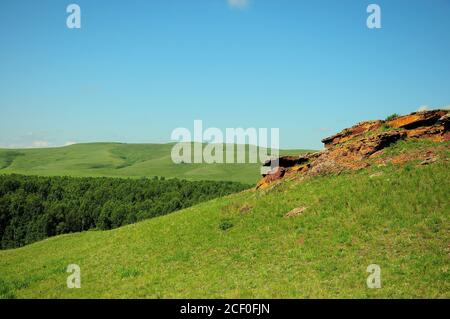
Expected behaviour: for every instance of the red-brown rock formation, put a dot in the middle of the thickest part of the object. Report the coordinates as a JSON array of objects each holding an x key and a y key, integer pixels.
[{"x": 351, "y": 148}]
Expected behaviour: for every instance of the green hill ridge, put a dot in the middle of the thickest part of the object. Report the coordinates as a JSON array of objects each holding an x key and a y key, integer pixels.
[{"x": 121, "y": 160}]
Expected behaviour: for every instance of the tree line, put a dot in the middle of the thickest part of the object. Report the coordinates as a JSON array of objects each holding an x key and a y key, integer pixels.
[{"x": 33, "y": 208}]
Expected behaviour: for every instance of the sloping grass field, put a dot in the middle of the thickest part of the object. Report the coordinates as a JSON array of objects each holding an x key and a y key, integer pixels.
[
  {"x": 121, "y": 160},
  {"x": 243, "y": 246}
]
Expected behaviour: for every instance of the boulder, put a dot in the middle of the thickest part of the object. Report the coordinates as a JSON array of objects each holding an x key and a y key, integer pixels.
[{"x": 417, "y": 119}]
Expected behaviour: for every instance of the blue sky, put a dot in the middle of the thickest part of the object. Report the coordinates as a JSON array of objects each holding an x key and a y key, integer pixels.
[{"x": 136, "y": 70}]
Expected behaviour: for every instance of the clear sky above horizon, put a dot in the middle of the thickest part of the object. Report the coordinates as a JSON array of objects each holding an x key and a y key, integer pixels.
[{"x": 136, "y": 70}]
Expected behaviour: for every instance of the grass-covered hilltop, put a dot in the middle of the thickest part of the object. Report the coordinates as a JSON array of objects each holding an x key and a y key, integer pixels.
[
  {"x": 378, "y": 194},
  {"x": 121, "y": 160}
]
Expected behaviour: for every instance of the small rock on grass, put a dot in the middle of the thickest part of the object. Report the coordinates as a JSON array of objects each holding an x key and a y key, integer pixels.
[
  {"x": 295, "y": 212},
  {"x": 429, "y": 160}
]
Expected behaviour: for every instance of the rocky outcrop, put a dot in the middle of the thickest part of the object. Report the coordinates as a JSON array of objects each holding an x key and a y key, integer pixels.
[
  {"x": 417, "y": 119},
  {"x": 291, "y": 161},
  {"x": 351, "y": 148},
  {"x": 352, "y": 132},
  {"x": 286, "y": 165},
  {"x": 431, "y": 124},
  {"x": 276, "y": 174}
]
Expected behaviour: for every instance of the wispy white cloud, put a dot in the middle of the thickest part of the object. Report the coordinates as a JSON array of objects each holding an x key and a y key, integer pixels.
[
  {"x": 69, "y": 143},
  {"x": 427, "y": 108},
  {"x": 40, "y": 144},
  {"x": 423, "y": 108},
  {"x": 26, "y": 140},
  {"x": 238, "y": 4}
]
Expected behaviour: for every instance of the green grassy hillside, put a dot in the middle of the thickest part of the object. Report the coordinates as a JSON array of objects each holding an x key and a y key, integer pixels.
[
  {"x": 243, "y": 246},
  {"x": 120, "y": 160}
]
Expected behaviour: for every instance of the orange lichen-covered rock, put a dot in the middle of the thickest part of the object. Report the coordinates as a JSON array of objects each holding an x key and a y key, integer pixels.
[
  {"x": 351, "y": 156},
  {"x": 352, "y": 132},
  {"x": 275, "y": 174},
  {"x": 353, "y": 148},
  {"x": 286, "y": 165},
  {"x": 418, "y": 119},
  {"x": 290, "y": 161},
  {"x": 435, "y": 133},
  {"x": 369, "y": 145}
]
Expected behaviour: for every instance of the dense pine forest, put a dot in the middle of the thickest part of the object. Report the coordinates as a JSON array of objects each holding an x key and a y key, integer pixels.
[{"x": 33, "y": 208}]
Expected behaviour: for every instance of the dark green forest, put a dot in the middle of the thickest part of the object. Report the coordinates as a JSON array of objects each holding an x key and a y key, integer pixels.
[{"x": 33, "y": 208}]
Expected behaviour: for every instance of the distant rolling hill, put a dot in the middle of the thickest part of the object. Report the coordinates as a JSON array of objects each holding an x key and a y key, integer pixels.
[{"x": 120, "y": 160}]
